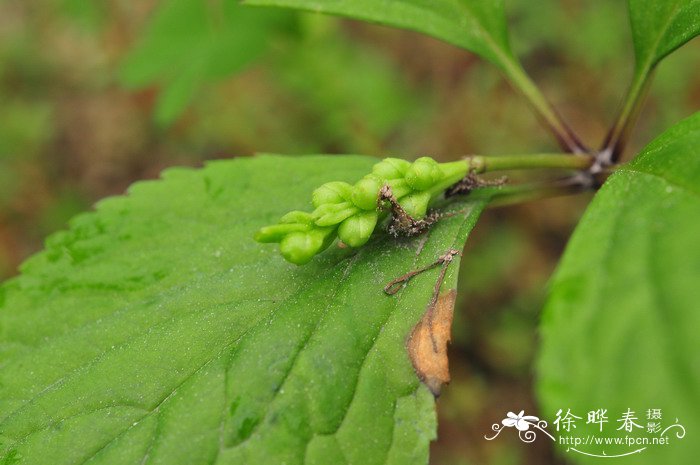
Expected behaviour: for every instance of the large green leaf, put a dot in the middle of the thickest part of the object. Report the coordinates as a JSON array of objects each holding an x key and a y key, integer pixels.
[
  {"x": 661, "y": 26},
  {"x": 620, "y": 329},
  {"x": 475, "y": 25},
  {"x": 157, "y": 331},
  {"x": 189, "y": 42}
]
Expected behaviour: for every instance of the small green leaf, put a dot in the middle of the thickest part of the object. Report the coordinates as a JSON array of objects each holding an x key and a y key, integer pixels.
[
  {"x": 475, "y": 25},
  {"x": 620, "y": 329},
  {"x": 189, "y": 42},
  {"x": 179, "y": 92},
  {"x": 661, "y": 26},
  {"x": 156, "y": 330}
]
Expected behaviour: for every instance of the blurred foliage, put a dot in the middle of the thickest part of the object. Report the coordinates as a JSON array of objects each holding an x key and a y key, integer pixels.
[
  {"x": 190, "y": 43},
  {"x": 87, "y": 87}
]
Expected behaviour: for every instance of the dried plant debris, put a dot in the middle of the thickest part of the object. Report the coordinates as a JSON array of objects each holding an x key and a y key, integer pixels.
[
  {"x": 427, "y": 344},
  {"x": 403, "y": 224},
  {"x": 470, "y": 182}
]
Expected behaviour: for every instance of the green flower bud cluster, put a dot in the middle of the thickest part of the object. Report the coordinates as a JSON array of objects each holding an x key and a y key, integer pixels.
[{"x": 351, "y": 212}]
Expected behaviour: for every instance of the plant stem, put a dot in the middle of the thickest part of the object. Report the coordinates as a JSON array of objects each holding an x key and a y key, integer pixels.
[
  {"x": 511, "y": 195},
  {"x": 617, "y": 138},
  {"x": 456, "y": 170},
  {"x": 484, "y": 164},
  {"x": 521, "y": 81}
]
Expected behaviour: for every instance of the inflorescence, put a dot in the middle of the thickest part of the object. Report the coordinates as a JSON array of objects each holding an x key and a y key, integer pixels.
[{"x": 351, "y": 212}]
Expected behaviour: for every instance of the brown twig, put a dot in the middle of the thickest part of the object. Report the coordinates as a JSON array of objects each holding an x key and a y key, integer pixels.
[{"x": 445, "y": 259}]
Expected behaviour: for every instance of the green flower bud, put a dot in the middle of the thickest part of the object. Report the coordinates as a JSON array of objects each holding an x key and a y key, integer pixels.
[
  {"x": 356, "y": 230},
  {"x": 331, "y": 192},
  {"x": 391, "y": 168},
  {"x": 329, "y": 237},
  {"x": 300, "y": 247},
  {"x": 423, "y": 174},
  {"x": 399, "y": 187},
  {"x": 330, "y": 214},
  {"x": 277, "y": 232},
  {"x": 416, "y": 204},
  {"x": 298, "y": 217},
  {"x": 365, "y": 191},
  {"x": 351, "y": 211}
]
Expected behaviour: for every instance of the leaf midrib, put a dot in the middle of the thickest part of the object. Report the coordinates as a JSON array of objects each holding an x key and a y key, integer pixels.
[
  {"x": 80, "y": 368},
  {"x": 652, "y": 58}
]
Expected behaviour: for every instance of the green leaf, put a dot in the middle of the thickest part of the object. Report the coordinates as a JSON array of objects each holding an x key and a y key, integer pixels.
[
  {"x": 156, "y": 330},
  {"x": 189, "y": 42},
  {"x": 661, "y": 26},
  {"x": 658, "y": 28},
  {"x": 475, "y": 25},
  {"x": 620, "y": 327}
]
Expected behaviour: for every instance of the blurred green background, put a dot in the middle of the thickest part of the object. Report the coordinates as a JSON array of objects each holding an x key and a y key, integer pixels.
[{"x": 97, "y": 95}]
